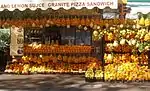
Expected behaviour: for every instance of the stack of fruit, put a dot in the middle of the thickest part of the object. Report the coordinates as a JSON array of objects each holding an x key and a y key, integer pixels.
[
  {"x": 50, "y": 64},
  {"x": 94, "y": 71},
  {"x": 125, "y": 51},
  {"x": 126, "y": 71},
  {"x": 89, "y": 74},
  {"x": 127, "y": 40},
  {"x": 57, "y": 49},
  {"x": 123, "y": 58},
  {"x": 57, "y": 58},
  {"x": 144, "y": 21},
  {"x": 14, "y": 68},
  {"x": 122, "y": 72}
]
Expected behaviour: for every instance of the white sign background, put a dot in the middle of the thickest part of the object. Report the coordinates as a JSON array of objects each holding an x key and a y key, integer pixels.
[
  {"x": 56, "y": 4},
  {"x": 16, "y": 48}
]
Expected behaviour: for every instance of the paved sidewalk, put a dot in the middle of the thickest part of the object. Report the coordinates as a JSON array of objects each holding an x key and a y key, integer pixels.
[{"x": 63, "y": 83}]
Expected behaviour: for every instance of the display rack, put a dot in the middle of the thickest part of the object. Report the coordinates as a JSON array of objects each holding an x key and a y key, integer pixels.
[
  {"x": 56, "y": 49},
  {"x": 70, "y": 48},
  {"x": 125, "y": 57}
]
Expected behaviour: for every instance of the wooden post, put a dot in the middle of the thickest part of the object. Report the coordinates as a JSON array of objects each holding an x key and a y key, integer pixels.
[
  {"x": 148, "y": 53},
  {"x": 122, "y": 13}
]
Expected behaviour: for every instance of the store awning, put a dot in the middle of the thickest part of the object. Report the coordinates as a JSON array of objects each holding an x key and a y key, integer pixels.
[
  {"x": 56, "y": 4},
  {"x": 138, "y": 0},
  {"x": 138, "y": 7},
  {"x": 143, "y": 10}
]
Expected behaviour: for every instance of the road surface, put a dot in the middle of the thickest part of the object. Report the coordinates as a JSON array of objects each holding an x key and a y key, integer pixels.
[{"x": 63, "y": 83}]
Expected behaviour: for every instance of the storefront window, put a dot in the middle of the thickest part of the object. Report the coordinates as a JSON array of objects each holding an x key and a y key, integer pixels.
[{"x": 110, "y": 16}]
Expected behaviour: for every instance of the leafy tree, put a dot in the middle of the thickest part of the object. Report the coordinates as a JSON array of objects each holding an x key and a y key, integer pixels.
[{"x": 4, "y": 39}]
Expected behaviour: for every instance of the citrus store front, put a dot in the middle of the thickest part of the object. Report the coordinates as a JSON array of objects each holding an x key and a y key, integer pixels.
[
  {"x": 65, "y": 37},
  {"x": 52, "y": 36}
]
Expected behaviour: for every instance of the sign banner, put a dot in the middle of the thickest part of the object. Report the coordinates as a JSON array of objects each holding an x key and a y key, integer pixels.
[
  {"x": 56, "y": 4},
  {"x": 17, "y": 41}
]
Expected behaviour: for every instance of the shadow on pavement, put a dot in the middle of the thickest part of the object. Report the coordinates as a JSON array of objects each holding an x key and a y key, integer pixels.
[
  {"x": 64, "y": 83},
  {"x": 42, "y": 84}
]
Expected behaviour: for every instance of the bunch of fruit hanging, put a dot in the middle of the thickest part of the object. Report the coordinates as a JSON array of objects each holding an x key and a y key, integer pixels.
[{"x": 77, "y": 21}]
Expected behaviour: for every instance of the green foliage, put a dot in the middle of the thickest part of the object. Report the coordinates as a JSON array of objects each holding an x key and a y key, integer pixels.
[{"x": 4, "y": 38}]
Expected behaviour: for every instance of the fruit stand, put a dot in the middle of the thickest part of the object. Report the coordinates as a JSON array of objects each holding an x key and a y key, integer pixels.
[
  {"x": 55, "y": 40},
  {"x": 77, "y": 41},
  {"x": 46, "y": 51}
]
